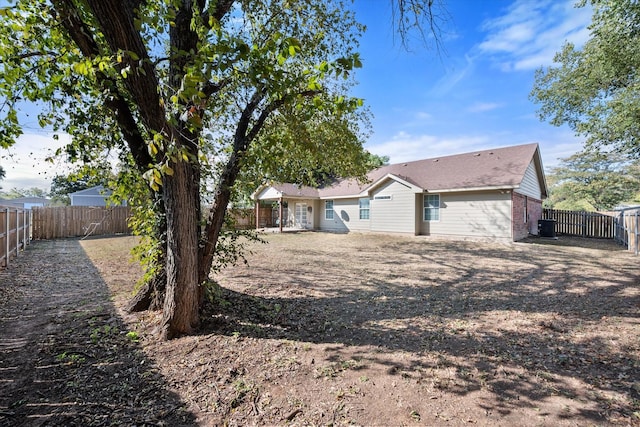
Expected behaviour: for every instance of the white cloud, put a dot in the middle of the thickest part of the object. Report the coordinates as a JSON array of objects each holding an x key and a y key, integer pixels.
[
  {"x": 423, "y": 115},
  {"x": 404, "y": 147},
  {"x": 480, "y": 107},
  {"x": 530, "y": 33},
  {"x": 451, "y": 78},
  {"x": 555, "y": 143},
  {"x": 25, "y": 163}
]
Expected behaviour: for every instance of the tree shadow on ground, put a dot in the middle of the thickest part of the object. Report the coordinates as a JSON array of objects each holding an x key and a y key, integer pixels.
[
  {"x": 65, "y": 356},
  {"x": 513, "y": 319}
]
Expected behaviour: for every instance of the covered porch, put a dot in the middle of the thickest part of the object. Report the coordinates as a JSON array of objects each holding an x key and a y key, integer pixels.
[
  {"x": 286, "y": 207},
  {"x": 285, "y": 214}
]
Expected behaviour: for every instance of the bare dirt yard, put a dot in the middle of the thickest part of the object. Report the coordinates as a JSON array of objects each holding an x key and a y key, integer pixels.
[{"x": 329, "y": 329}]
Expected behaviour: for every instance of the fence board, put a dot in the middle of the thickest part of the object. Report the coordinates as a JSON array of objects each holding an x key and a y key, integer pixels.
[
  {"x": 627, "y": 231},
  {"x": 15, "y": 226},
  {"x": 583, "y": 224},
  {"x": 79, "y": 221}
]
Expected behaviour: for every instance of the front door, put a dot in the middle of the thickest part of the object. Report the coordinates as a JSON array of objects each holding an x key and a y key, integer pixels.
[{"x": 301, "y": 215}]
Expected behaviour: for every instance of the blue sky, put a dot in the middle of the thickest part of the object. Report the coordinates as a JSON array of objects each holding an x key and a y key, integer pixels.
[
  {"x": 475, "y": 94},
  {"x": 472, "y": 95}
]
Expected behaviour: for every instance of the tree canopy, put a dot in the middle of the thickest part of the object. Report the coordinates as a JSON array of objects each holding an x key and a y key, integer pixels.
[
  {"x": 594, "y": 89},
  {"x": 194, "y": 96},
  {"x": 593, "y": 181}
]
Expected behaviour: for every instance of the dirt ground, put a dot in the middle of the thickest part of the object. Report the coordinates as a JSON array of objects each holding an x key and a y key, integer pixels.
[{"x": 330, "y": 329}]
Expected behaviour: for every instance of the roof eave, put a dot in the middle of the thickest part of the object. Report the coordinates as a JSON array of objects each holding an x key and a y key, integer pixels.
[{"x": 467, "y": 189}]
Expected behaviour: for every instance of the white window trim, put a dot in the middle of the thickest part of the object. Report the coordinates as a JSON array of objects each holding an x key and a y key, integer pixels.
[
  {"x": 327, "y": 210},
  {"x": 361, "y": 209},
  {"x": 424, "y": 217}
]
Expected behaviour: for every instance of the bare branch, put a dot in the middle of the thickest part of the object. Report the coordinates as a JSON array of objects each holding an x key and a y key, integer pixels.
[{"x": 424, "y": 18}]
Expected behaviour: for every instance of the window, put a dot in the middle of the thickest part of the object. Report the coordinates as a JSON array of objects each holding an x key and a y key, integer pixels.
[
  {"x": 364, "y": 207},
  {"x": 432, "y": 207},
  {"x": 328, "y": 209}
]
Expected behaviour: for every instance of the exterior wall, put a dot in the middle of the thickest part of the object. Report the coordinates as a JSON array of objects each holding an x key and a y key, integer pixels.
[
  {"x": 530, "y": 185},
  {"x": 269, "y": 193},
  {"x": 346, "y": 216},
  {"x": 526, "y": 213},
  {"x": 398, "y": 214},
  {"x": 317, "y": 212},
  {"x": 471, "y": 214},
  {"x": 88, "y": 200}
]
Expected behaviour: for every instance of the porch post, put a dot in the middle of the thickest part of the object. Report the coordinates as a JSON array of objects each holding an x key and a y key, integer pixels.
[
  {"x": 280, "y": 213},
  {"x": 257, "y": 214}
]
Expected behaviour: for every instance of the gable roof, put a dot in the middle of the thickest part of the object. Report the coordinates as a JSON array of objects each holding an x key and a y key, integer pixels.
[
  {"x": 98, "y": 190},
  {"x": 500, "y": 168}
]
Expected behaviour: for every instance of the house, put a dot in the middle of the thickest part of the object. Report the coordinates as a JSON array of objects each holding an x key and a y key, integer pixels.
[
  {"x": 495, "y": 194},
  {"x": 26, "y": 202},
  {"x": 93, "y": 196}
]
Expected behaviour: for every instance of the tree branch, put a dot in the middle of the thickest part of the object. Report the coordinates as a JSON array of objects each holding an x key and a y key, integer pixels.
[
  {"x": 221, "y": 9},
  {"x": 80, "y": 34},
  {"x": 116, "y": 19}
]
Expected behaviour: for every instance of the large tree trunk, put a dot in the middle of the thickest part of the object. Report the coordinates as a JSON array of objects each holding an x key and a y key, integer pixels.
[
  {"x": 182, "y": 299},
  {"x": 180, "y": 191}
]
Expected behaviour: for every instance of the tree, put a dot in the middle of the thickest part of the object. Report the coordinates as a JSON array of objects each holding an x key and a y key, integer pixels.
[
  {"x": 593, "y": 181},
  {"x": 85, "y": 176},
  {"x": 184, "y": 88},
  {"x": 2, "y": 175},
  {"x": 595, "y": 89},
  {"x": 24, "y": 192}
]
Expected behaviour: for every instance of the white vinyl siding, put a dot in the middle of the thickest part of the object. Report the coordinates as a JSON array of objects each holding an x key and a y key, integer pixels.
[
  {"x": 530, "y": 185},
  {"x": 346, "y": 217},
  {"x": 482, "y": 214},
  {"x": 396, "y": 214},
  {"x": 269, "y": 193}
]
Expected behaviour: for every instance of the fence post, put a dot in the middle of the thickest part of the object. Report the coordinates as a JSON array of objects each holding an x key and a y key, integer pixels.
[
  {"x": 7, "y": 240},
  {"x": 637, "y": 233},
  {"x": 24, "y": 231},
  {"x": 17, "y": 231}
]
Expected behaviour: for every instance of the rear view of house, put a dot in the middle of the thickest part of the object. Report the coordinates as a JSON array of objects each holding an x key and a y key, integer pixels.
[{"x": 493, "y": 194}]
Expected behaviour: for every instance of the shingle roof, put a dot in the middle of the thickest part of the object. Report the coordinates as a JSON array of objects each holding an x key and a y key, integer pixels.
[
  {"x": 295, "y": 190},
  {"x": 496, "y": 168}
]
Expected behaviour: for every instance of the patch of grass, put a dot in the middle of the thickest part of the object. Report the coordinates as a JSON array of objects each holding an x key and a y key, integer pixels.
[
  {"x": 242, "y": 389},
  {"x": 334, "y": 369},
  {"x": 98, "y": 333},
  {"x": 133, "y": 336},
  {"x": 70, "y": 357}
]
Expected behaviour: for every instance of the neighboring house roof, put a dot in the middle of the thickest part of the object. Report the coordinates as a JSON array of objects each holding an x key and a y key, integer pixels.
[
  {"x": 500, "y": 168},
  {"x": 98, "y": 190}
]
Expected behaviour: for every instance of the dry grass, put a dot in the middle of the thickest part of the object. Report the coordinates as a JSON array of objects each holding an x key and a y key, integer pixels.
[
  {"x": 369, "y": 329},
  {"x": 364, "y": 329}
]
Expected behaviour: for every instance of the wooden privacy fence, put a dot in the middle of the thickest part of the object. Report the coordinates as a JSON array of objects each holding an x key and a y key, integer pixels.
[
  {"x": 627, "y": 229},
  {"x": 79, "y": 221},
  {"x": 15, "y": 234},
  {"x": 243, "y": 218},
  {"x": 582, "y": 224}
]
